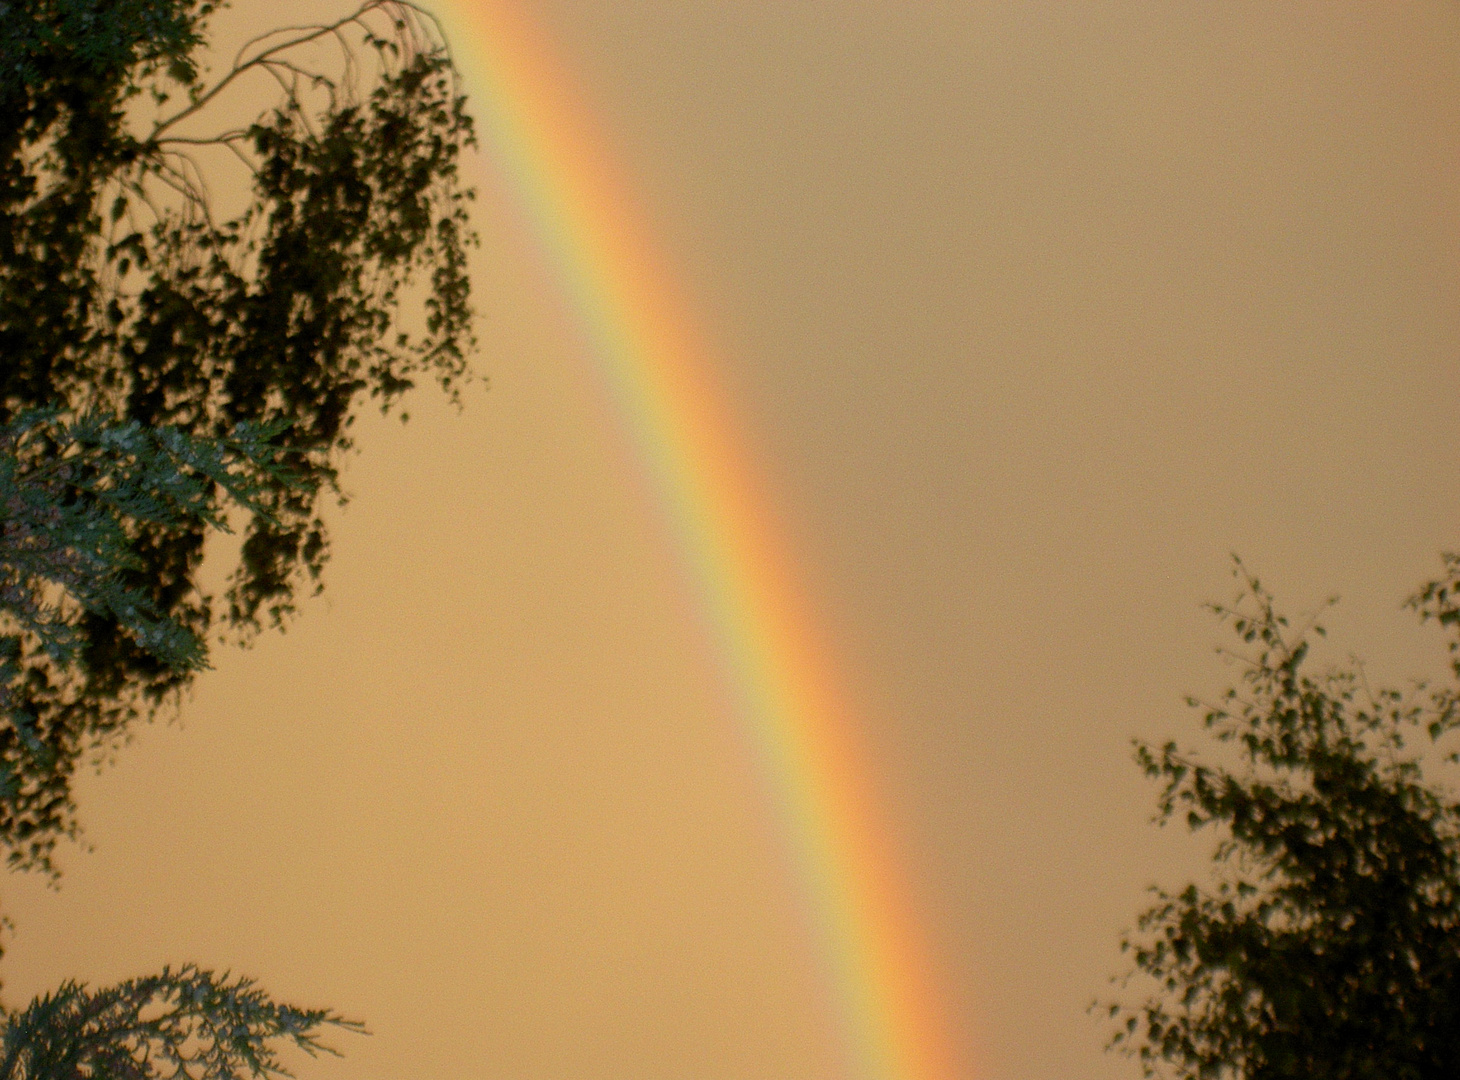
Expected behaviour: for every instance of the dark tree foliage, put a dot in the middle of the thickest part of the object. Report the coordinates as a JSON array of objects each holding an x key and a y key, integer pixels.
[
  {"x": 185, "y": 1023},
  {"x": 1329, "y": 946},
  {"x": 72, "y": 498},
  {"x": 127, "y": 290}
]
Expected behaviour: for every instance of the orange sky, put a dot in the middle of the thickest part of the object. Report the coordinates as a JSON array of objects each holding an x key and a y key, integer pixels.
[{"x": 1033, "y": 313}]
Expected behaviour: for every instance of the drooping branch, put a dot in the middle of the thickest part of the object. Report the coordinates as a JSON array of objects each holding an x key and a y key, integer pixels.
[
  {"x": 408, "y": 22},
  {"x": 126, "y": 290}
]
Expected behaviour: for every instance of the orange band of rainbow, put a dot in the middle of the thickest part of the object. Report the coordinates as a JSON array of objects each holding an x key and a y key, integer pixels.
[{"x": 655, "y": 370}]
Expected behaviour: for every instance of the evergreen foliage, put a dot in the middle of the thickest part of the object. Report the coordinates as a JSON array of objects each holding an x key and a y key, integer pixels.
[
  {"x": 179, "y": 353},
  {"x": 185, "y": 1023},
  {"x": 74, "y": 496},
  {"x": 168, "y": 368},
  {"x": 1328, "y": 947}
]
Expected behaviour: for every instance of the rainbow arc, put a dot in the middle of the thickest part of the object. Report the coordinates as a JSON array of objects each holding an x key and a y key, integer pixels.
[{"x": 656, "y": 371}]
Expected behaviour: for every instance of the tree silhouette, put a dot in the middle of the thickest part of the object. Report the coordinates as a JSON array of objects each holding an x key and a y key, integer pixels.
[
  {"x": 126, "y": 292},
  {"x": 171, "y": 368},
  {"x": 1328, "y": 945}
]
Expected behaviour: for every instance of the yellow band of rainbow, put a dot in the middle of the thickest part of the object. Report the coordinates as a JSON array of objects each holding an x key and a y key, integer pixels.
[{"x": 655, "y": 371}]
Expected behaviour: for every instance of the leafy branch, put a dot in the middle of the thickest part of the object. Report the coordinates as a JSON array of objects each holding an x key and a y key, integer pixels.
[
  {"x": 1328, "y": 944},
  {"x": 188, "y": 1023},
  {"x": 74, "y": 498},
  {"x": 127, "y": 294}
]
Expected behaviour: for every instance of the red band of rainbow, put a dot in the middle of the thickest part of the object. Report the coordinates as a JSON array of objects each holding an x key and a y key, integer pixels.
[{"x": 654, "y": 369}]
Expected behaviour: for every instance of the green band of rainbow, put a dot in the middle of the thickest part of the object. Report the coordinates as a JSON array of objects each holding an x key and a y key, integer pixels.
[{"x": 655, "y": 371}]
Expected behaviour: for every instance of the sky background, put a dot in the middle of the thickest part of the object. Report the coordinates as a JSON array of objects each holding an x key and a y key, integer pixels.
[{"x": 1029, "y": 315}]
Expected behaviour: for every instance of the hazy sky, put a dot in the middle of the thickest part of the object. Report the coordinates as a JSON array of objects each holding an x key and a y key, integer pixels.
[{"x": 1031, "y": 313}]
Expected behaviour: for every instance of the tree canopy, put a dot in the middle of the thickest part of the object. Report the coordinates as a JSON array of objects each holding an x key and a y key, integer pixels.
[
  {"x": 152, "y": 336},
  {"x": 170, "y": 368},
  {"x": 1328, "y": 945}
]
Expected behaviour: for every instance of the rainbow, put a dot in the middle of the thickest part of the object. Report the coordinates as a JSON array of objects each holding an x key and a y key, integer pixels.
[{"x": 655, "y": 371}]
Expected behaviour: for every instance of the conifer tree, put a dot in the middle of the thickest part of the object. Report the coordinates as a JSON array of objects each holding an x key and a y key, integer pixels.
[{"x": 179, "y": 1023}]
